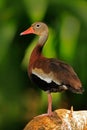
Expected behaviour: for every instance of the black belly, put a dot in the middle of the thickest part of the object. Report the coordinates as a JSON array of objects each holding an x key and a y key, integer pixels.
[{"x": 51, "y": 87}]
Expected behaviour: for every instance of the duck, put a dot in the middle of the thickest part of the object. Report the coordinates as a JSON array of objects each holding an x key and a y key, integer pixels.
[{"x": 50, "y": 74}]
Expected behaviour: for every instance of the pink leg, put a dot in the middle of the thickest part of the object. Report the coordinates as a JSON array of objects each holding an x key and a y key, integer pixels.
[{"x": 50, "y": 113}]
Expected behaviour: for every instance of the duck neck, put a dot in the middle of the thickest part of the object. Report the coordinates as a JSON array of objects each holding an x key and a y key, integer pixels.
[
  {"x": 36, "y": 53},
  {"x": 43, "y": 38}
]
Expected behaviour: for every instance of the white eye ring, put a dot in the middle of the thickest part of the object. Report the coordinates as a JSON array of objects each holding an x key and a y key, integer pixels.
[{"x": 38, "y": 25}]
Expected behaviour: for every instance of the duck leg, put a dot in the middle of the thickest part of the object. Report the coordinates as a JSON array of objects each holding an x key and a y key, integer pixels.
[{"x": 49, "y": 112}]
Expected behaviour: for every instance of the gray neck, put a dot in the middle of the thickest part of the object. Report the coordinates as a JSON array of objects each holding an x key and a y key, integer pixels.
[{"x": 43, "y": 38}]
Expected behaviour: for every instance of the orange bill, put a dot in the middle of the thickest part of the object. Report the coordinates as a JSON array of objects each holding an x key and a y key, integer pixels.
[{"x": 28, "y": 31}]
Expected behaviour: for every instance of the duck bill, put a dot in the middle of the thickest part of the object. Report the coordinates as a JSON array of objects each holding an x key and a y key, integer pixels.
[{"x": 28, "y": 31}]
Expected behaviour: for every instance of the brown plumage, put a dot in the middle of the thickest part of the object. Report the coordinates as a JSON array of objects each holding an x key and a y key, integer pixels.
[{"x": 51, "y": 75}]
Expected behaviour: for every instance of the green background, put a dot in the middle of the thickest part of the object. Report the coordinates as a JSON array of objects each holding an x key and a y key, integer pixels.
[{"x": 20, "y": 100}]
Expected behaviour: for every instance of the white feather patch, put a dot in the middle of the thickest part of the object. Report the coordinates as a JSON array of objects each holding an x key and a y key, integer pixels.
[
  {"x": 65, "y": 87},
  {"x": 43, "y": 76}
]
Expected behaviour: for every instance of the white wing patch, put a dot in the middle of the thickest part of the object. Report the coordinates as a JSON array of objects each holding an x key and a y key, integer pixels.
[
  {"x": 43, "y": 76},
  {"x": 64, "y": 87}
]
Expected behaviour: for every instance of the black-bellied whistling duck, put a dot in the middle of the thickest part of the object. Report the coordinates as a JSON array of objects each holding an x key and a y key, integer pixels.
[{"x": 51, "y": 75}]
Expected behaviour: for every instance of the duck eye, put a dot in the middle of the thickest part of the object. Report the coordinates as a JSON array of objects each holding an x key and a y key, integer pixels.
[{"x": 37, "y": 25}]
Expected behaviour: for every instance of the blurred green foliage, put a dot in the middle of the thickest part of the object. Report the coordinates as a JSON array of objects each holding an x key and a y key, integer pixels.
[{"x": 20, "y": 100}]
